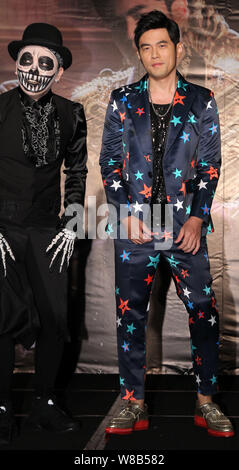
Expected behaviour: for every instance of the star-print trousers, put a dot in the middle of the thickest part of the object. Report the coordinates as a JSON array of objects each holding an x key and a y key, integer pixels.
[{"x": 135, "y": 267}]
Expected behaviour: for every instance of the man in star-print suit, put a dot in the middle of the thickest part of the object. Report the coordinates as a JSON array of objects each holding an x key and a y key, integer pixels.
[{"x": 160, "y": 153}]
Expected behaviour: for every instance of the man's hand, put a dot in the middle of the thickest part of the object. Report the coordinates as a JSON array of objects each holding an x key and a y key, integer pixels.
[
  {"x": 190, "y": 234},
  {"x": 137, "y": 231}
]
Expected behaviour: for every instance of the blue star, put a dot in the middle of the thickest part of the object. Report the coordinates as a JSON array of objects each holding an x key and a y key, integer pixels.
[
  {"x": 202, "y": 163},
  {"x": 177, "y": 173},
  {"x": 142, "y": 86},
  {"x": 129, "y": 105},
  {"x": 182, "y": 85},
  {"x": 111, "y": 162},
  {"x": 154, "y": 261},
  {"x": 185, "y": 137},
  {"x": 131, "y": 328},
  {"x": 176, "y": 120},
  {"x": 125, "y": 346},
  {"x": 209, "y": 229},
  {"x": 122, "y": 381},
  {"x": 207, "y": 290},
  {"x": 190, "y": 305},
  {"x": 125, "y": 256},
  {"x": 206, "y": 256},
  {"x": 123, "y": 99},
  {"x": 188, "y": 210},
  {"x": 138, "y": 175},
  {"x": 205, "y": 209},
  {"x": 109, "y": 229},
  {"x": 213, "y": 129},
  {"x": 213, "y": 379},
  {"x": 121, "y": 129},
  {"x": 173, "y": 262},
  {"x": 192, "y": 347},
  {"x": 192, "y": 119},
  {"x": 117, "y": 290}
]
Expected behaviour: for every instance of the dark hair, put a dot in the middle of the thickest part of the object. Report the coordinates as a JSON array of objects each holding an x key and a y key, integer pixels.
[{"x": 153, "y": 20}]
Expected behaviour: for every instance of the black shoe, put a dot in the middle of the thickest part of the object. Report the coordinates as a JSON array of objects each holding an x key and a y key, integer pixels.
[
  {"x": 8, "y": 427},
  {"x": 45, "y": 414}
]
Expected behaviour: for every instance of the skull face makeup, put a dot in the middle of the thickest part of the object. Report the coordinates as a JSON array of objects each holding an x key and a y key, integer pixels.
[{"x": 37, "y": 69}]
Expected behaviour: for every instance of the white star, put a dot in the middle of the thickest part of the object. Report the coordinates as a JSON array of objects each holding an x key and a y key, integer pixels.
[
  {"x": 127, "y": 176},
  {"x": 122, "y": 89},
  {"x": 179, "y": 205},
  {"x": 202, "y": 184},
  {"x": 198, "y": 380},
  {"x": 114, "y": 106},
  {"x": 138, "y": 207},
  {"x": 209, "y": 105},
  {"x": 116, "y": 185},
  {"x": 118, "y": 321},
  {"x": 212, "y": 320},
  {"x": 186, "y": 292}
]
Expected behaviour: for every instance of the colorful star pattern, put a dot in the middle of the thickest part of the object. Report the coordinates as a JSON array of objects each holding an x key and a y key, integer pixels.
[{"x": 128, "y": 109}]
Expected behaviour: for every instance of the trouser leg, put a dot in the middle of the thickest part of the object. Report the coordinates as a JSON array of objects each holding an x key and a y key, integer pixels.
[
  {"x": 7, "y": 355},
  {"x": 191, "y": 274},
  {"x": 135, "y": 266},
  {"x": 50, "y": 292}
]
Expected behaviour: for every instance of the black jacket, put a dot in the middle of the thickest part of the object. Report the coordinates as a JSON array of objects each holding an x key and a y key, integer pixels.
[{"x": 31, "y": 195}]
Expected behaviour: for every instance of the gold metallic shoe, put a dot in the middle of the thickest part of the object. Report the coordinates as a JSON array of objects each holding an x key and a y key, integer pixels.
[
  {"x": 130, "y": 418},
  {"x": 210, "y": 416}
]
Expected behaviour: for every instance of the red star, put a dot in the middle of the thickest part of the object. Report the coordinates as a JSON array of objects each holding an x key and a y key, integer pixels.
[
  {"x": 211, "y": 93},
  {"x": 140, "y": 111},
  {"x": 200, "y": 315},
  {"x": 213, "y": 301},
  {"x": 124, "y": 305},
  {"x": 105, "y": 183},
  {"x": 146, "y": 191},
  {"x": 183, "y": 188},
  {"x": 212, "y": 172},
  {"x": 122, "y": 116},
  {"x": 198, "y": 360},
  {"x": 184, "y": 273},
  {"x": 177, "y": 280},
  {"x": 129, "y": 395},
  {"x": 124, "y": 164},
  {"x": 117, "y": 171},
  {"x": 178, "y": 99},
  {"x": 169, "y": 198},
  {"x": 191, "y": 321},
  {"x": 127, "y": 155},
  {"x": 192, "y": 163},
  {"x": 147, "y": 158},
  {"x": 149, "y": 279}
]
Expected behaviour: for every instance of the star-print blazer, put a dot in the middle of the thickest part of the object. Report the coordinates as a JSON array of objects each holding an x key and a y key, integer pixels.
[{"x": 192, "y": 158}]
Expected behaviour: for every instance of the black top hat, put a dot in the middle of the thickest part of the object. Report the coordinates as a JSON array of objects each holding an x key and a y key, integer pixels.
[{"x": 42, "y": 34}]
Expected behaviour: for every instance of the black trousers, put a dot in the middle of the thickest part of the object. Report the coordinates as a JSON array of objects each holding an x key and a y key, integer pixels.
[{"x": 33, "y": 307}]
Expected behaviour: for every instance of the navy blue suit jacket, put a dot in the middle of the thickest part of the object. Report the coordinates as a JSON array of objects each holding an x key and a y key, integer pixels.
[{"x": 192, "y": 158}]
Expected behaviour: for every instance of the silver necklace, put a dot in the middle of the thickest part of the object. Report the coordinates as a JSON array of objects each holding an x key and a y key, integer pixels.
[{"x": 151, "y": 101}]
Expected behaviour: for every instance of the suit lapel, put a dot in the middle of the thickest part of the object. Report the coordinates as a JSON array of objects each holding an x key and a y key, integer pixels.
[
  {"x": 183, "y": 100},
  {"x": 140, "y": 115}
]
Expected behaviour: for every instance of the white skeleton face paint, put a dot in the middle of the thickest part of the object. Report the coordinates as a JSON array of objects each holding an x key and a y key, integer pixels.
[{"x": 37, "y": 69}]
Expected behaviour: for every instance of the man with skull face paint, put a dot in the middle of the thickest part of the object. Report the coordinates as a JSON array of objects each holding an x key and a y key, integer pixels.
[{"x": 39, "y": 130}]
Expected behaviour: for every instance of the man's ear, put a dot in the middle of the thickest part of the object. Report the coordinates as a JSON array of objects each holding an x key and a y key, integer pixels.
[
  {"x": 180, "y": 51},
  {"x": 138, "y": 55},
  {"x": 59, "y": 74}
]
